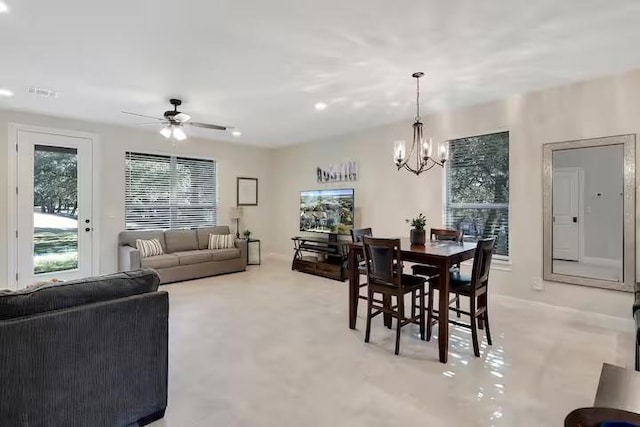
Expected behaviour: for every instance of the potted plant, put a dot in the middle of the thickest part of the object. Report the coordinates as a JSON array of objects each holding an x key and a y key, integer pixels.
[
  {"x": 418, "y": 236},
  {"x": 247, "y": 234}
]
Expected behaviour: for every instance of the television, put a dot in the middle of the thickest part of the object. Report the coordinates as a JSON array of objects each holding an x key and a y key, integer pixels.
[{"x": 327, "y": 211}]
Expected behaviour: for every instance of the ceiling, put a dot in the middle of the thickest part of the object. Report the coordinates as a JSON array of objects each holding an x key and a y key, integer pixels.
[{"x": 262, "y": 65}]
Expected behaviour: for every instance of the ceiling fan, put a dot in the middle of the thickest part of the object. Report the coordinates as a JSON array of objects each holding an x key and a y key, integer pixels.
[{"x": 175, "y": 121}]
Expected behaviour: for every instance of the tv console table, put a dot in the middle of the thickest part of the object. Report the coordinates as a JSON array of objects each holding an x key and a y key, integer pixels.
[{"x": 322, "y": 257}]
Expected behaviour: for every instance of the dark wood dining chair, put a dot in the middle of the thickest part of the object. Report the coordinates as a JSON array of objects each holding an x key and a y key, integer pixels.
[
  {"x": 475, "y": 288},
  {"x": 356, "y": 236},
  {"x": 430, "y": 271},
  {"x": 384, "y": 276}
]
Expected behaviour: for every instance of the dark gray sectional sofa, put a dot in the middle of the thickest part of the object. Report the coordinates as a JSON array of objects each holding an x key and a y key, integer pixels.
[{"x": 92, "y": 352}]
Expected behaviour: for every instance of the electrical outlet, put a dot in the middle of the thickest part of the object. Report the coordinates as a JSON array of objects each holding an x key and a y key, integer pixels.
[{"x": 538, "y": 284}]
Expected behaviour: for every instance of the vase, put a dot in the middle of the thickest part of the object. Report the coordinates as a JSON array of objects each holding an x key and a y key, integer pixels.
[{"x": 418, "y": 237}]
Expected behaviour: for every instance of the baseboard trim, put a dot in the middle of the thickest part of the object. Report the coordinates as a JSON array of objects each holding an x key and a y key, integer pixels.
[{"x": 593, "y": 319}]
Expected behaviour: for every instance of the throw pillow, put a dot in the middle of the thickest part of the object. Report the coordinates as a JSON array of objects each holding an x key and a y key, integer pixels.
[
  {"x": 221, "y": 241},
  {"x": 149, "y": 248}
]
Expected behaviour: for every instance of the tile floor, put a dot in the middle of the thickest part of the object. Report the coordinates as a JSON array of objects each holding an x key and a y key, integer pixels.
[{"x": 272, "y": 347}]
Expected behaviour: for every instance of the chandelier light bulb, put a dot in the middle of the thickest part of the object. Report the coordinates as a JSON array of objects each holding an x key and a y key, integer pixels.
[
  {"x": 399, "y": 152},
  {"x": 444, "y": 151}
]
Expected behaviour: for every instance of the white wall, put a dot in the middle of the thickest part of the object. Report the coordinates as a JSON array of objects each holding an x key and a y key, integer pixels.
[
  {"x": 233, "y": 160},
  {"x": 385, "y": 197},
  {"x": 603, "y": 215}
]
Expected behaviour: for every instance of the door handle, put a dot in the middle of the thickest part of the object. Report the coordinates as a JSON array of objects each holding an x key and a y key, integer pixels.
[{"x": 575, "y": 219}]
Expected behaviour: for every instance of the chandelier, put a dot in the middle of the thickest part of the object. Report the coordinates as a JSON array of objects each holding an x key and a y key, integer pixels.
[{"x": 423, "y": 148}]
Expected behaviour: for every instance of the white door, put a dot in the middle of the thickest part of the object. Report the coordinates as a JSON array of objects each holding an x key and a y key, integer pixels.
[
  {"x": 55, "y": 229},
  {"x": 566, "y": 218}
]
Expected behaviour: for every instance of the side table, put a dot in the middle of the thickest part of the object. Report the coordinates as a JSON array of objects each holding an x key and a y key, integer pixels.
[{"x": 249, "y": 241}]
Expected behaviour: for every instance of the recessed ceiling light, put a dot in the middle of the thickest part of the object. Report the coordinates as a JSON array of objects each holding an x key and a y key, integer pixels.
[
  {"x": 6, "y": 92},
  {"x": 320, "y": 106},
  {"x": 3, "y": 7},
  {"x": 236, "y": 133}
]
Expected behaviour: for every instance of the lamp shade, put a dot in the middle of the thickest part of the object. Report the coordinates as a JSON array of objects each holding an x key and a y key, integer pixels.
[{"x": 236, "y": 213}]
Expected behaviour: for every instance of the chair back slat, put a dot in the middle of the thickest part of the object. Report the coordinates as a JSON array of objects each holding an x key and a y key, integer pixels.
[
  {"x": 482, "y": 263},
  {"x": 358, "y": 233},
  {"x": 380, "y": 256},
  {"x": 446, "y": 234}
]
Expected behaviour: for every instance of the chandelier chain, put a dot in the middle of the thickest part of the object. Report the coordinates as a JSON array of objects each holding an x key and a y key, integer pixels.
[{"x": 418, "y": 118}]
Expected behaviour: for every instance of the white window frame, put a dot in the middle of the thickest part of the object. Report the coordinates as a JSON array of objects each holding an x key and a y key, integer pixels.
[
  {"x": 503, "y": 262},
  {"x": 194, "y": 156}
]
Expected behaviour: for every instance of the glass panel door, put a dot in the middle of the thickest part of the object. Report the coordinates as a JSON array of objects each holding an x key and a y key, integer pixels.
[{"x": 54, "y": 208}]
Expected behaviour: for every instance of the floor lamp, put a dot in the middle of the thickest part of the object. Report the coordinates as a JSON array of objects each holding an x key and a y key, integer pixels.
[{"x": 236, "y": 213}]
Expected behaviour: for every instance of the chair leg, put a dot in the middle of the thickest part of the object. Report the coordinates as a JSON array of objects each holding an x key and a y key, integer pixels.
[
  {"x": 637, "y": 355},
  {"x": 481, "y": 303},
  {"x": 474, "y": 327},
  {"x": 429, "y": 312},
  {"x": 400, "y": 319},
  {"x": 387, "y": 302},
  {"x": 413, "y": 304},
  {"x": 458, "y": 306},
  {"x": 485, "y": 320},
  {"x": 367, "y": 333},
  {"x": 422, "y": 315}
]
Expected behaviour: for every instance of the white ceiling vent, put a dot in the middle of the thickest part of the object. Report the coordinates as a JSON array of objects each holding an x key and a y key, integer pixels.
[{"x": 47, "y": 93}]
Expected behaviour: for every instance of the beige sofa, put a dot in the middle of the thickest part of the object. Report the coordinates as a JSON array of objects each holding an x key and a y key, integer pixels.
[{"x": 186, "y": 254}]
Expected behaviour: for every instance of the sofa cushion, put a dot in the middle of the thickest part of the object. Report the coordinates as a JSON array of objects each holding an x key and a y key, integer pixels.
[
  {"x": 223, "y": 254},
  {"x": 128, "y": 238},
  {"x": 56, "y": 296},
  {"x": 192, "y": 257},
  {"x": 160, "y": 261},
  {"x": 203, "y": 234},
  {"x": 181, "y": 240},
  {"x": 149, "y": 248},
  {"x": 221, "y": 241}
]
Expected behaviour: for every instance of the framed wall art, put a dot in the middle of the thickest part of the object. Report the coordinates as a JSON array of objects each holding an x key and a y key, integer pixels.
[{"x": 247, "y": 191}]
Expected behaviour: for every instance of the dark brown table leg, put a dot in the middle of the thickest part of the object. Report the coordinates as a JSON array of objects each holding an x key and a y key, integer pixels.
[
  {"x": 443, "y": 315},
  {"x": 354, "y": 287}
]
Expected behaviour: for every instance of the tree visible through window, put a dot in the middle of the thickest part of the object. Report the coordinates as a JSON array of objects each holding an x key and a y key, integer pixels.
[
  {"x": 165, "y": 192},
  {"x": 477, "y": 194}
]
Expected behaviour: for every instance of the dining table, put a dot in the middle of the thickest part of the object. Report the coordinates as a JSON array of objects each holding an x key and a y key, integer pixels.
[{"x": 441, "y": 254}]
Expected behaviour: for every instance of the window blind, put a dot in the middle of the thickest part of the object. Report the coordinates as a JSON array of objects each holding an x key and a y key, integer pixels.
[
  {"x": 169, "y": 192},
  {"x": 477, "y": 188}
]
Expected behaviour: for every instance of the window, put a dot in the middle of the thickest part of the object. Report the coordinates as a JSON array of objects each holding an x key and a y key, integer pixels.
[
  {"x": 477, "y": 188},
  {"x": 163, "y": 192}
]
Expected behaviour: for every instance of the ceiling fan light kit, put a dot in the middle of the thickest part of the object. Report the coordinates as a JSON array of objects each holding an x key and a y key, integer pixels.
[
  {"x": 179, "y": 134},
  {"x": 175, "y": 121}
]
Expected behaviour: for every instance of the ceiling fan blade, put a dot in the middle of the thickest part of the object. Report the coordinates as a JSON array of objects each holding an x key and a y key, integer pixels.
[
  {"x": 182, "y": 117},
  {"x": 148, "y": 124},
  {"x": 208, "y": 126},
  {"x": 142, "y": 115}
]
